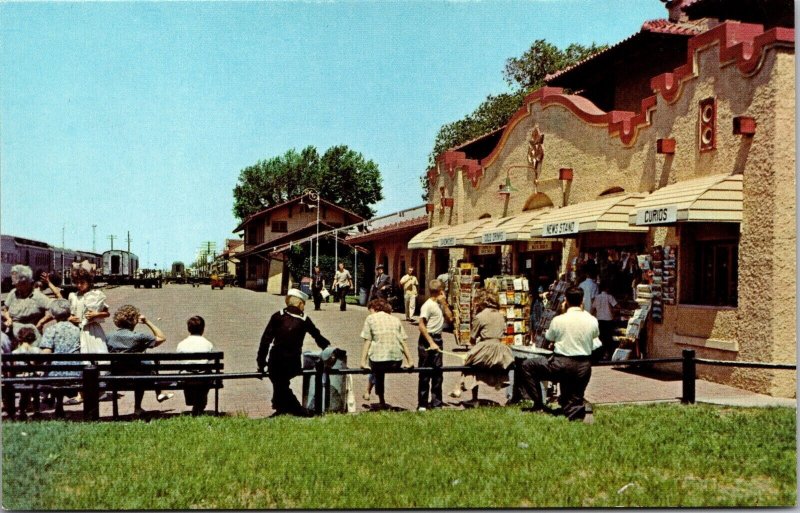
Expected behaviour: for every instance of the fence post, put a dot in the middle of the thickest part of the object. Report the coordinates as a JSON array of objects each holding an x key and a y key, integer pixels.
[
  {"x": 689, "y": 376},
  {"x": 318, "y": 391},
  {"x": 91, "y": 393}
]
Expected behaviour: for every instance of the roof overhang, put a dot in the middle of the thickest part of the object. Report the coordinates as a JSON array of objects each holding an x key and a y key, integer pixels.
[
  {"x": 518, "y": 227},
  {"x": 604, "y": 215},
  {"x": 716, "y": 198}
]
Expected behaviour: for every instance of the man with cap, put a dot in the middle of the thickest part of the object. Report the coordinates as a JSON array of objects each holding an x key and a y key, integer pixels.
[
  {"x": 380, "y": 289},
  {"x": 283, "y": 341}
]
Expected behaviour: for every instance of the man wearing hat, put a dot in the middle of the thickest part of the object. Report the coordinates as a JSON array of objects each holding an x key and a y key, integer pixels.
[
  {"x": 380, "y": 289},
  {"x": 283, "y": 340}
]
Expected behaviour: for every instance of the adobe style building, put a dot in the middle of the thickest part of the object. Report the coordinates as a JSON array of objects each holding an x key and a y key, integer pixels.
[
  {"x": 270, "y": 233},
  {"x": 679, "y": 138},
  {"x": 386, "y": 240}
]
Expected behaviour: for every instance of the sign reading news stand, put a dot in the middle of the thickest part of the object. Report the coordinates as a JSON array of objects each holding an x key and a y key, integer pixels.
[
  {"x": 660, "y": 215},
  {"x": 558, "y": 229}
]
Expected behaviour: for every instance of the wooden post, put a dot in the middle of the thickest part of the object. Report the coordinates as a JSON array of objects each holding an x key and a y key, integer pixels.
[
  {"x": 689, "y": 376},
  {"x": 91, "y": 393}
]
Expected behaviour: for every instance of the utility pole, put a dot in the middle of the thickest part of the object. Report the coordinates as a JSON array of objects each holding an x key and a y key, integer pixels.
[
  {"x": 94, "y": 238},
  {"x": 129, "y": 241},
  {"x": 63, "y": 228},
  {"x": 111, "y": 238},
  {"x": 148, "y": 254}
]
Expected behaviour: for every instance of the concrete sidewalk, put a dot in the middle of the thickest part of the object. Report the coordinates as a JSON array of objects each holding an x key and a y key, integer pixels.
[{"x": 235, "y": 319}]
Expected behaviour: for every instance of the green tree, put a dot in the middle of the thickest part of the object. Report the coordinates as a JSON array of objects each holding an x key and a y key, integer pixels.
[
  {"x": 523, "y": 74},
  {"x": 341, "y": 175}
]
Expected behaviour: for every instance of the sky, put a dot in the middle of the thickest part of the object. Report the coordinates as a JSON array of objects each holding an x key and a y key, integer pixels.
[{"x": 138, "y": 117}]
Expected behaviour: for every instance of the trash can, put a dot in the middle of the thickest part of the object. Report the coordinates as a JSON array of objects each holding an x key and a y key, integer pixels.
[
  {"x": 362, "y": 296},
  {"x": 305, "y": 285},
  {"x": 335, "y": 399}
]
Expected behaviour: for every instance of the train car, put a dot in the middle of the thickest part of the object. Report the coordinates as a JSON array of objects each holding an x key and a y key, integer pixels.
[
  {"x": 119, "y": 267},
  {"x": 93, "y": 258},
  {"x": 17, "y": 250}
]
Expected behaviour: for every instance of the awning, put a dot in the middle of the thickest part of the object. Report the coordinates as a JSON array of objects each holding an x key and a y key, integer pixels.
[
  {"x": 427, "y": 239},
  {"x": 445, "y": 236},
  {"x": 511, "y": 228},
  {"x": 604, "y": 215},
  {"x": 716, "y": 198}
]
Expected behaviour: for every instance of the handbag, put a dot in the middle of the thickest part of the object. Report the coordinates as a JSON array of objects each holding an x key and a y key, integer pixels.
[{"x": 324, "y": 293}]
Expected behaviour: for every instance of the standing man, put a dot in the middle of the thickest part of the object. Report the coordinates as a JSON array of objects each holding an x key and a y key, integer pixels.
[
  {"x": 570, "y": 364},
  {"x": 317, "y": 284},
  {"x": 409, "y": 283},
  {"x": 431, "y": 322},
  {"x": 604, "y": 308},
  {"x": 283, "y": 340},
  {"x": 380, "y": 289},
  {"x": 342, "y": 282},
  {"x": 589, "y": 288}
]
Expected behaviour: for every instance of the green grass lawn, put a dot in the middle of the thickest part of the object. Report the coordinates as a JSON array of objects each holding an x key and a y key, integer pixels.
[{"x": 667, "y": 455}]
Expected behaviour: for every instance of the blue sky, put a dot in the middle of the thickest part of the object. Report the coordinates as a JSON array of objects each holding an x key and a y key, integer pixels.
[{"x": 139, "y": 116}]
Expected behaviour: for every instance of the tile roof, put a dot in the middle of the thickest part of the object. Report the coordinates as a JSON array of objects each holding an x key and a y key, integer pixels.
[
  {"x": 659, "y": 26},
  {"x": 383, "y": 231}
]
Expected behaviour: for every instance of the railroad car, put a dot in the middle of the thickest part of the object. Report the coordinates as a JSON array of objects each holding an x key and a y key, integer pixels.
[{"x": 119, "y": 267}]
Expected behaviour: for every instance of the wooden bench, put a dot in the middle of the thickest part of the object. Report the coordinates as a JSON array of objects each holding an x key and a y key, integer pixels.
[{"x": 99, "y": 373}]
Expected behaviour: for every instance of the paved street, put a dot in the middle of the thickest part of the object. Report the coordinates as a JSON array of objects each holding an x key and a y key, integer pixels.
[{"x": 235, "y": 319}]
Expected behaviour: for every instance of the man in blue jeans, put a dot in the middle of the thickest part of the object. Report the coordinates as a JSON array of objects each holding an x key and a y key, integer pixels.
[{"x": 431, "y": 322}]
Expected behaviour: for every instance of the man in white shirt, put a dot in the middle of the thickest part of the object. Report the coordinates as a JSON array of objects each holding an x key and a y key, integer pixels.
[
  {"x": 409, "y": 283},
  {"x": 196, "y": 395},
  {"x": 590, "y": 290},
  {"x": 432, "y": 315},
  {"x": 603, "y": 308},
  {"x": 573, "y": 334}
]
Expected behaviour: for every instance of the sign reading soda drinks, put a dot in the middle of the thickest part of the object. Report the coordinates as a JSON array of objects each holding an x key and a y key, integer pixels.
[
  {"x": 447, "y": 241},
  {"x": 492, "y": 237}
]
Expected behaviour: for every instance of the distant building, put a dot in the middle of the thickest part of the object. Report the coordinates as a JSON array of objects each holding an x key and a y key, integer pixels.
[
  {"x": 387, "y": 241},
  {"x": 269, "y": 233}
]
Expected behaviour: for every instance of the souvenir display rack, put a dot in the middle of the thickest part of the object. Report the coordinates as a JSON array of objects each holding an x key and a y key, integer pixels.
[
  {"x": 465, "y": 285},
  {"x": 557, "y": 294},
  {"x": 513, "y": 295}
]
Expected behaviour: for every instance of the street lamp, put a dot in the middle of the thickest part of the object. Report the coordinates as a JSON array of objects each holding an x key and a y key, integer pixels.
[{"x": 313, "y": 195}]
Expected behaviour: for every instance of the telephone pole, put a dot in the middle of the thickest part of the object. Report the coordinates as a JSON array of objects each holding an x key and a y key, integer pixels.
[
  {"x": 111, "y": 238},
  {"x": 94, "y": 238},
  {"x": 129, "y": 241}
]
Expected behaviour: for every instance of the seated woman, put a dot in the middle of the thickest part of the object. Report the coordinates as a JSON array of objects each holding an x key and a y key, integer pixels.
[
  {"x": 488, "y": 353},
  {"x": 384, "y": 344},
  {"x": 63, "y": 337},
  {"x": 126, "y": 340}
]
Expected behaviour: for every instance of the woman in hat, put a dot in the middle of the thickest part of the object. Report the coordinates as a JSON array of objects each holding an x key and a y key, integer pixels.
[{"x": 284, "y": 334}]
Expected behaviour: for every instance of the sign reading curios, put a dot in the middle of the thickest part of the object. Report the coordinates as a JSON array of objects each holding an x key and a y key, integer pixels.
[{"x": 659, "y": 215}]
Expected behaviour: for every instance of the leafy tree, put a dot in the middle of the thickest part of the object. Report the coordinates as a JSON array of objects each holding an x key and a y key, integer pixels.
[
  {"x": 341, "y": 175},
  {"x": 523, "y": 74}
]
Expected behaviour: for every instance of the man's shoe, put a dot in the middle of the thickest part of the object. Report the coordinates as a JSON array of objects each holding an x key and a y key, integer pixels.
[
  {"x": 422, "y": 408},
  {"x": 163, "y": 397}
]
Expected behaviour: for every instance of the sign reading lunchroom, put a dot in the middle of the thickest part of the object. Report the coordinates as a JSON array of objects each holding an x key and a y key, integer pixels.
[
  {"x": 562, "y": 228},
  {"x": 660, "y": 215}
]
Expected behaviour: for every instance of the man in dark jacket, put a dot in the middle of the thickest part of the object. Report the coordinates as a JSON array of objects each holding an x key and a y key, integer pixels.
[
  {"x": 380, "y": 289},
  {"x": 283, "y": 340}
]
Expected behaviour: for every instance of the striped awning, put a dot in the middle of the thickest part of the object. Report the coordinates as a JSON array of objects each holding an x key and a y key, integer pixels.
[
  {"x": 511, "y": 228},
  {"x": 427, "y": 239},
  {"x": 716, "y": 198},
  {"x": 445, "y": 236},
  {"x": 604, "y": 215}
]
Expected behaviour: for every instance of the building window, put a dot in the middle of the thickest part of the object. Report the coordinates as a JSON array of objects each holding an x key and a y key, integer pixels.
[
  {"x": 716, "y": 270},
  {"x": 280, "y": 226},
  {"x": 709, "y": 268},
  {"x": 252, "y": 235}
]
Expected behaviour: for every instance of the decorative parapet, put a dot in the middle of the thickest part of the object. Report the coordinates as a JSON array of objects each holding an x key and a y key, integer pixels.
[{"x": 742, "y": 44}]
